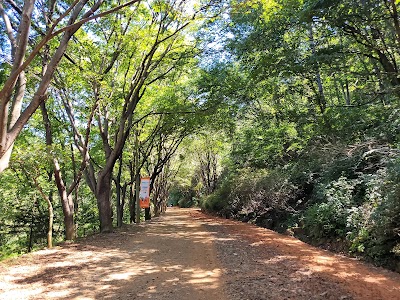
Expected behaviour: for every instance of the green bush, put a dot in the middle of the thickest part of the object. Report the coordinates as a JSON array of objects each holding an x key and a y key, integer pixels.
[
  {"x": 333, "y": 192},
  {"x": 374, "y": 226},
  {"x": 368, "y": 220},
  {"x": 250, "y": 194},
  {"x": 183, "y": 196},
  {"x": 328, "y": 217},
  {"x": 219, "y": 201}
]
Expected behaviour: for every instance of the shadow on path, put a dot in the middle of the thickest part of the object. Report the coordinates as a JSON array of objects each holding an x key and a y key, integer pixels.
[
  {"x": 269, "y": 265},
  {"x": 171, "y": 257}
]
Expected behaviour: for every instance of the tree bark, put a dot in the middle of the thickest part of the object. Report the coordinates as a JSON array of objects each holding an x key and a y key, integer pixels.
[
  {"x": 50, "y": 223},
  {"x": 49, "y": 209},
  {"x": 389, "y": 68},
  {"x": 321, "y": 95},
  {"x": 121, "y": 193},
  {"x": 9, "y": 132},
  {"x": 132, "y": 206},
  {"x": 103, "y": 193},
  {"x": 119, "y": 204},
  {"x": 132, "y": 212},
  {"x": 121, "y": 196},
  {"x": 137, "y": 188},
  {"x": 147, "y": 214},
  {"x": 67, "y": 202}
]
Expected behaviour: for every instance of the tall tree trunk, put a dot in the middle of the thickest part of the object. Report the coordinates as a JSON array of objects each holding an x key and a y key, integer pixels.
[
  {"x": 123, "y": 198},
  {"x": 19, "y": 45},
  {"x": 118, "y": 203},
  {"x": 156, "y": 200},
  {"x": 103, "y": 194},
  {"x": 76, "y": 192}
]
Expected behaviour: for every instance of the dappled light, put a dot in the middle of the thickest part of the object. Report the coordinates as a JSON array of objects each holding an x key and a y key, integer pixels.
[
  {"x": 164, "y": 114},
  {"x": 286, "y": 266},
  {"x": 189, "y": 255},
  {"x": 151, "y": 261}
]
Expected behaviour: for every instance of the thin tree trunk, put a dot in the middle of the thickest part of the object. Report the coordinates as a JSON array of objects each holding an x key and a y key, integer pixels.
[
  {"x": 30, "y": 241},
  {"x": 147, "y": 214},
  {"x": 118, "y": 206},
  {"x": 67, "y": 202},
  {"x": 132, "y": 211},
  {"x": 348, "y": 101},
  {"x": 321, "y": 96},
  {"x": 137, "y": 188},
  {"x": 66, "y": 199},
  {"x": 137, "y": 178},
  {"x": 123, "y": 198},
  {"x": 157, "y": 201},
  {"x": 132, "y": 207},
  {"x": 76, "y": 191},
  {"x": 51, "y": 221},
  {"x": 120, "y": 201}
]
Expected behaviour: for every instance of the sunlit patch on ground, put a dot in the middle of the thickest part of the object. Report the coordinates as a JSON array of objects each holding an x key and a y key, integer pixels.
[
  {"x": 274, "y": 266},
  {"x": 198, "y": 257},
  {"x": 169, "y": 258}
]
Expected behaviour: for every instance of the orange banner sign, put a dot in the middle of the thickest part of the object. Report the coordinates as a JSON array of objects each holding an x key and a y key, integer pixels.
[{"x": 144, "y": 194}]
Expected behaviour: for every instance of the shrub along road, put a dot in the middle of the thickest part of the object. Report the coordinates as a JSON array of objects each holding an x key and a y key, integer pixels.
[{"x": 188, "y": 255}]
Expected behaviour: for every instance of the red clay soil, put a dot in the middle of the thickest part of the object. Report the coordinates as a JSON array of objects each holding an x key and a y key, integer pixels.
[
  {"x": 269, "y": 265},
  {"x": 188, "y": 255}
]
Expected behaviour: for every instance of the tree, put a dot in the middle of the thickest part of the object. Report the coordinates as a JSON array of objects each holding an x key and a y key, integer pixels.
[
  {"x": 372, "y": 25},
  {"x": 64, "y": 191},
  {"x": 19, "y": 32},
  {"x": 154, "y": 42}
]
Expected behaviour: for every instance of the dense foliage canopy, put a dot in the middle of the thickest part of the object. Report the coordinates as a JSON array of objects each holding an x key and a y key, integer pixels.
[{"x": 284, "y": 113}]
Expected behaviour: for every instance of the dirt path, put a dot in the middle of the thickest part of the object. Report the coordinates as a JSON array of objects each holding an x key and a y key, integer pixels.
[
  {"x": 169, "y": 258},
  {"x": 260, "y": 264},
  {"x": 187, "y": 255}
]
